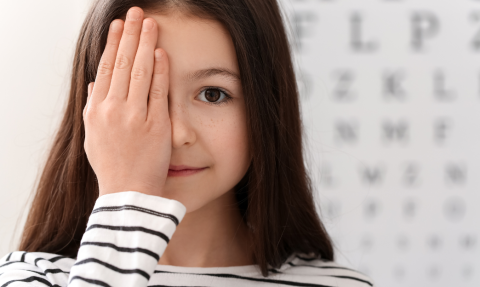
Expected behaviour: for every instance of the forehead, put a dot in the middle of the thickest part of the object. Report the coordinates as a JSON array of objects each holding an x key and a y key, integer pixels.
[{"x": 194, "y": 43}]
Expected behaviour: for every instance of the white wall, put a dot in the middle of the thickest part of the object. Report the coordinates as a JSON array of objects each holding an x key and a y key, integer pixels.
[
  {"x": 402, "y": 209},
  {"x": 37, "y": 43}
]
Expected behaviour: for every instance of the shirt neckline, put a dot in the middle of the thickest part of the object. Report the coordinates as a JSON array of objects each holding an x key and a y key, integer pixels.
[
  {"x": 207, "y": 270},
  {"x": 254, "y": 268}
]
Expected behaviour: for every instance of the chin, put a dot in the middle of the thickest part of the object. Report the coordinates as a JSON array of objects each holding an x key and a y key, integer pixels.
[
  {"x": 193, "y": 204},
  {"x": 191, "y": 201},
  {"x": 198, "y": 195}
]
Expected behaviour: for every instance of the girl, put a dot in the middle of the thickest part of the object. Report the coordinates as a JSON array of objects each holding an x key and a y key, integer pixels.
[{"x": 179, "y": 159}]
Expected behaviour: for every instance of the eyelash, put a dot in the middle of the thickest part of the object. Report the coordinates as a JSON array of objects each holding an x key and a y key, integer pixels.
[{"x": 227, "y": 98}]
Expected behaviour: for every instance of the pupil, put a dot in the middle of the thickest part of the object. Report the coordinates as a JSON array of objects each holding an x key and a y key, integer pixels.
[{"x": 212, "y": 94}]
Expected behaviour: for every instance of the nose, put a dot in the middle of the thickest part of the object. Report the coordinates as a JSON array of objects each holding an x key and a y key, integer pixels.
[{"x": 183, "y": 133}]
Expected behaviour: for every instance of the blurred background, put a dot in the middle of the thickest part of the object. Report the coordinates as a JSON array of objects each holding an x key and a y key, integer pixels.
[{"x": 390, "y": 95}]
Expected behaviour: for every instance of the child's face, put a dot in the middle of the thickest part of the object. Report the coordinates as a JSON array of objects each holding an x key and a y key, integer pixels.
[{"x": 203, "y": 134}]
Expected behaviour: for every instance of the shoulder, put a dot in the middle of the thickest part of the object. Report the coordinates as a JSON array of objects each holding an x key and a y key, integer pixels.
[
  {"x": 48, "y": 268},
  {"x": 324, "y": 272}
]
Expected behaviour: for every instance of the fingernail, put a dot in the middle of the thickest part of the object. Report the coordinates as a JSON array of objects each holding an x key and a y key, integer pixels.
[
  {"x": 133, "y": 15},
  {"x": 158, "y": 55},
  {"x": 147, "y": 25},
  {"x": 115, "y": 26}
]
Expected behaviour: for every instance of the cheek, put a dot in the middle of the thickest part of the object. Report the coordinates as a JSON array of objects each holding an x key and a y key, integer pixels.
[{"x": 226, "y": 139}]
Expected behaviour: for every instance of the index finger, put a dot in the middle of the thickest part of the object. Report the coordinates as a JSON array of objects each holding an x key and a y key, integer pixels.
[{"x": 107, "y": 62}]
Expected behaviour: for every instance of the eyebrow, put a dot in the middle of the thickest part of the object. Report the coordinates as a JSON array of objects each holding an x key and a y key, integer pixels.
[{"x": 209, "y": 72}]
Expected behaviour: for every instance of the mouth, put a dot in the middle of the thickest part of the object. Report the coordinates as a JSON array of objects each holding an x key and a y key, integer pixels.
[{"x": 183, "y": 171}]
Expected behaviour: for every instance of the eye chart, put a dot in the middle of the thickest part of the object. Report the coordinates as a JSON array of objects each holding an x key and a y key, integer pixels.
[{"x": 390, "y": 95}]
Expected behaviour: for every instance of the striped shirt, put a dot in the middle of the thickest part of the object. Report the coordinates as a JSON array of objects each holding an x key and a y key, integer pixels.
[{"x": 126, "y": 234}]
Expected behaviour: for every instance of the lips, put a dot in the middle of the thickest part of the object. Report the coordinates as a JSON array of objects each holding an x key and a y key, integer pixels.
[
  {"x": 183, "y": 170},
  {"x": 183, "y": 167}
]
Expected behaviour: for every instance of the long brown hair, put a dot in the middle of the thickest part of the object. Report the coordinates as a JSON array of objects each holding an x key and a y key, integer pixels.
[{"x": 275, "y": 196}]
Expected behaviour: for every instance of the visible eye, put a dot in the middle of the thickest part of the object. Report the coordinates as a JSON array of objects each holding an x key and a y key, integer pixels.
[{"x": 213, "y": 96}]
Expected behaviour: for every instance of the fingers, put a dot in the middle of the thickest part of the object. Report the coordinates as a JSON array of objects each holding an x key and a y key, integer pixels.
[
  {"x": 107, "y": 62},
  {"x": 158, "y": 98},
  {"x": 125, "y": 70},
  {"x": 126, "y": 55},
  {"x": 141, "y": 76}
]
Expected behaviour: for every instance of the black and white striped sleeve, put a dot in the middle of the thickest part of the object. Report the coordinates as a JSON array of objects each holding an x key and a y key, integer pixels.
[{"x": 126, "y": 234}]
